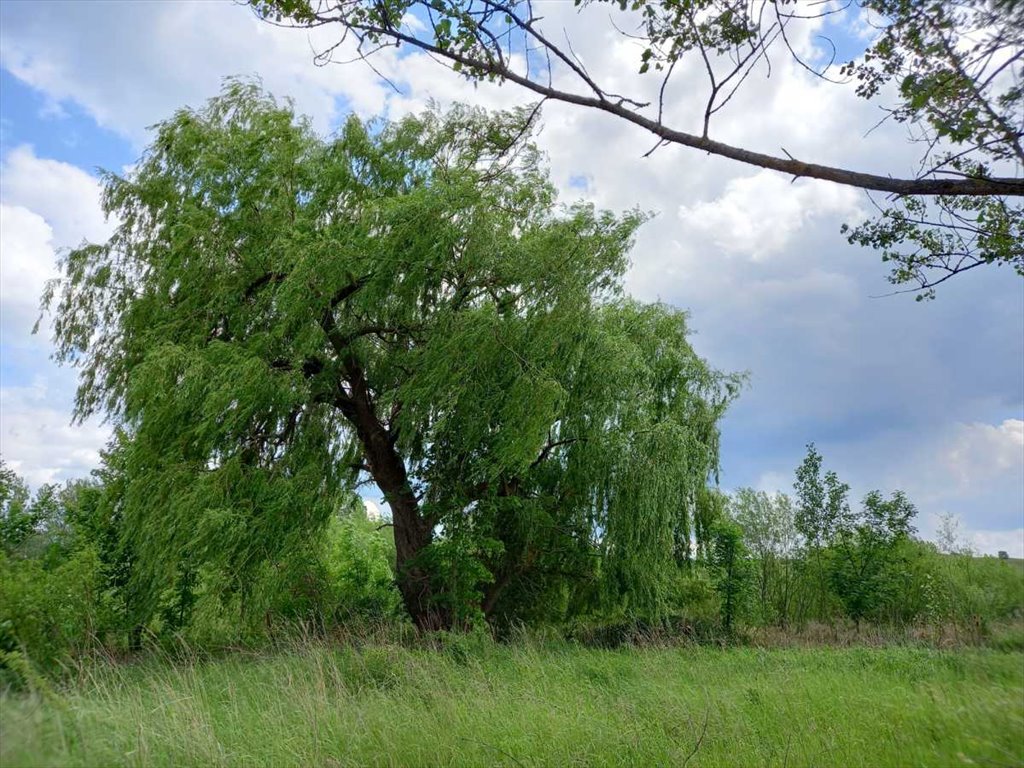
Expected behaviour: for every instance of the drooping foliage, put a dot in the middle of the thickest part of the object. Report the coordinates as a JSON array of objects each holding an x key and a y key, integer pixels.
[{"x": 278, "y": 316}]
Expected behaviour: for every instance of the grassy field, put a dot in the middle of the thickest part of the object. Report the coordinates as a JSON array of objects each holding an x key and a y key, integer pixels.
[{"x": 482, "y": 704}]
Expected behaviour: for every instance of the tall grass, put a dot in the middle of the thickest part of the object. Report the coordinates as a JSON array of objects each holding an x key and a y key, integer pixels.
[{"x": 475, "y": 703}]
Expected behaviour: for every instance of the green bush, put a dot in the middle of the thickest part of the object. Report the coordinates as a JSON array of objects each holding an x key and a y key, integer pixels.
[
  {"x": 694, "y": 613},
  {"x": 344, "y": 576},
  {"x": 49, "y": 614},
  {"x": 358, "y": 560},
  {"x": 730, "y": 566},
  {"x": 972, "y": 592}
]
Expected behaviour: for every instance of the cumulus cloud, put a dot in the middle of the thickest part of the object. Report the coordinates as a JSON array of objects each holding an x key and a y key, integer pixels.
[
  {"x": 45, "y": 205},
  {"x": 974, "y": 470},
  {"x": 172, "y": 54},
  {"x": 758, "y": 216},
  {"x": 67, "y": 197},
  {"x": 167, "y": 55},
  {"x": 979, "y": 452},
  {"x": 38, "y": 440},
  {"x": 26, "y": 242}
]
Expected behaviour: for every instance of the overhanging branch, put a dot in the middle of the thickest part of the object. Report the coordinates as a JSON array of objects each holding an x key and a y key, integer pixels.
[{"x": 972, "y": 186}]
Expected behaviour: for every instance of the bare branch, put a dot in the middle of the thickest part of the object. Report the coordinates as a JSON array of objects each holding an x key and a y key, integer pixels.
[{"x": 629, "y": 111}]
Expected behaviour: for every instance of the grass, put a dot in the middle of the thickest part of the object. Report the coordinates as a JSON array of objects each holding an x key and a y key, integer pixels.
[{"x": 481, "y": 704}]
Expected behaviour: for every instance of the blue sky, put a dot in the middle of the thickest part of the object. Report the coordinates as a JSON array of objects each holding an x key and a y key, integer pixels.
[
  {"x": 928, "y": 397},
  {"x": 57, "y": 131}
]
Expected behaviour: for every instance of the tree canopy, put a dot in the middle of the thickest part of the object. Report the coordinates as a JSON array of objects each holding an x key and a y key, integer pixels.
[
  {"x": 279, "y": 317},
  {"x": 953, "y": 72}
]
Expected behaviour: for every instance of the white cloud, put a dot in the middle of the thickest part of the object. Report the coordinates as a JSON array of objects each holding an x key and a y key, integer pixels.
[
  {"x": 774, "y": 482},
  {"x": 759, "y": 216},
  {"x": 373, "y": 511},
  {"x": 26, "y": 242},
  {"x": 67, "y": 197},
  {"x": 172, "y": 54},
  {"x": 38, "y": 440},
  {"x": 979, "y": 452},
  {"x": 412, "y": 23},
  {"x": 45, "y": 205},
  {"x": 993, "y": 542},
  {"x": 167, "y": 55}
]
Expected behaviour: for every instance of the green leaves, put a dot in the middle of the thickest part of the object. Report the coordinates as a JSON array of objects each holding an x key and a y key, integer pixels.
[
  {"x": 929, "y": 241},
  {"x": 947, "y": 60},
  {"x": 19, "y": 516},
  {"x": 822, "y": 507},
  {"x": 278, "y": 313}
]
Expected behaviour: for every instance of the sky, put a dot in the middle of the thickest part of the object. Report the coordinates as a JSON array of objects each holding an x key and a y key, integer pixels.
[{"x": 927, "y": 397}]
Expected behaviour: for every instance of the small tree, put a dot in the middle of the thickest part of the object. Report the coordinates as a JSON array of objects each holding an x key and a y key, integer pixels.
[
  {"x": 770, "y": 533},
  {"x": 822, "y": 510},
  {"x": 731, "y": 569},
  {"x": 18, "y": 519},
  {"x": 948, "y": 537},
  {"x": 866, "y": 558}
]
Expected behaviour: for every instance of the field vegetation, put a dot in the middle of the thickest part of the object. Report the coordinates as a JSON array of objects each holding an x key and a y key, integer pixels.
[{"x": 463, "y": 700}]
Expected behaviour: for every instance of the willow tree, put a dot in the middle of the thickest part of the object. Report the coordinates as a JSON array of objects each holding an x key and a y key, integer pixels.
[{"x": 280, "y": 316}]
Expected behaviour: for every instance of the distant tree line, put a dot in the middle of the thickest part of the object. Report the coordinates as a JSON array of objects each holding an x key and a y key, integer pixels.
[
  {"x": 813, "y": 557},
  {"x": 770, "y": 562}
]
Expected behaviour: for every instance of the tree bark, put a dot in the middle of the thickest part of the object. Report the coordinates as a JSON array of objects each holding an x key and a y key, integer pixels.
[{"x": 413, "y": 534}]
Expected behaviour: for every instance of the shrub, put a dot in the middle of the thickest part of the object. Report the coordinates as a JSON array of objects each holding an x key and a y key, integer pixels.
[
  {"x": 971, "y": 592},
  {"x": 48, "y": 614}
]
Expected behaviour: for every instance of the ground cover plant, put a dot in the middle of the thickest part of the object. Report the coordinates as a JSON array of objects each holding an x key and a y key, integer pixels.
[{"x": 476, "y": 703}]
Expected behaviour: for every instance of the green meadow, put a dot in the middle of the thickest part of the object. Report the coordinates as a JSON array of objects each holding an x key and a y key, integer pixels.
[{"x": 476, "y": 703}]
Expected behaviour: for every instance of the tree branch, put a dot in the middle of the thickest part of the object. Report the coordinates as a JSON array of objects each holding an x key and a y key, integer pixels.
[{"x": 979, "y": 186}]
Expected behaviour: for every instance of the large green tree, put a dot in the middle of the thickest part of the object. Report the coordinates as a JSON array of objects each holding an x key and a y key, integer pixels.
[
  {"x": 280, "y": 316},
  {"x": 951, "y": 70}
]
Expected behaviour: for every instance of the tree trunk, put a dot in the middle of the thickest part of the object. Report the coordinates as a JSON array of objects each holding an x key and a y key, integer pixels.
[
  {"x": 511, "y": 562},
  {"x": 495, "y": 590},
  {"x": 413, "y": 534}
]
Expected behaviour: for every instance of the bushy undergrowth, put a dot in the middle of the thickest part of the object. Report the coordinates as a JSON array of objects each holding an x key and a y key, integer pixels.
[
  {"x": 57, "y": 608},
  {"x": 69, "y": 589},
  {"x": 50, "y": 613}
]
